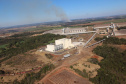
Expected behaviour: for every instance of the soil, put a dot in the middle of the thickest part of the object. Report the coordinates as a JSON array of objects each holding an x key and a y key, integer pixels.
[
  {"x": 84, "y": 64},
  {"x": 122, "y": 36},
  {"x": 66, "y": 76},
  {"x": 11, "y": 78}
]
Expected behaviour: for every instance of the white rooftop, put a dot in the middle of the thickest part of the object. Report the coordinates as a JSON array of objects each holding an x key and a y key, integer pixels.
[{"x": 63, "y": 39}]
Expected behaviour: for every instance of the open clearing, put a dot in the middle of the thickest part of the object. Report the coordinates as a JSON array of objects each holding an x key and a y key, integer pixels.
[
  {"x": 4, "y": 79},
  {"x": 68, "y": 62},
  {"x": 83, "y": 64},
  {"x": 25, "y": 62},
  {"x": 122, "y": 36},
  {"x": 66, "y": 76},
  {"x": 120, "y": 32}
]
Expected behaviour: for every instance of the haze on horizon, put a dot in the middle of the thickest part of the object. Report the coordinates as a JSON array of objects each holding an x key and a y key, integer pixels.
[{"x": 19, "y": 12}]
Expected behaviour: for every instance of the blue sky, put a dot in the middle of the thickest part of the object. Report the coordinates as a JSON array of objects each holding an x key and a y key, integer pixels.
[{"x": 18, "y": 12}]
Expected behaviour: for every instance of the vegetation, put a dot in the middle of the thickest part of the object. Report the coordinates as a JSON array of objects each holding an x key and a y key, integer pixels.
[
  {"x": 100, "y": 38},
  {"x": 122, "y": 28},
  {"x": 88, "y": 25},
  {"x": 112, "y": 40},
  {"x": 44, "y": 28},
  {"x": 49, "y": 56},
  {"x": 18, "y": 46},
  {"x": 3, "y": 46},
  {"x": 82, "y": 73},
  {"x": 71, "y": 67},
  {"x": 30, "y": 78},
  {"x": 26, "y": 34},
  {"x": 113, "y": 66},
  {"x": 93, "y": 60},
  {"x": 120, "y": 20},
  {"x": 4, "y": 41},
  {"x": 2, "y": 72}
]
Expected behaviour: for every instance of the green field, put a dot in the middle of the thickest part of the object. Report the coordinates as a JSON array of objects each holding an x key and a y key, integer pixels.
[
  {"x": 116, "y": 21},
  {"x": 3, "y": 46},
  {"x": 43, "y": 28}
]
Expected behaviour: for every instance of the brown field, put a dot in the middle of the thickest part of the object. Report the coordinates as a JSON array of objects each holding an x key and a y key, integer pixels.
[
  {"x": 122, "y": 36},
  {"x": 67, "y": 62},
  {"x": 25, "y": 62},
  {"x": 102, "y": 23},
  {"x": 89, "y": 67},
  {"x": 65, "y": 76},
  {"x": 121, "y": 32},
  {"x": 97, "y": 57},
  {"x": 10, "y": 78},
  {"x": 92, "y": 23}
]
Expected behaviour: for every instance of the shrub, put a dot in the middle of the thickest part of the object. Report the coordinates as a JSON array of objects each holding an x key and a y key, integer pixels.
[
  {"x": 93, "y": 60},
  {"x": 49, "y": 56}
]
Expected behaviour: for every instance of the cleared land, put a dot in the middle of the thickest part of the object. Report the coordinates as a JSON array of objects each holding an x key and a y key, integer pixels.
[
  {"x": 67, "y": 62},
  {"x": 66, "y": 77},
  {"x": 4, "y": 79},
  {"x": 23, "y": 62},
  {"x": 120, "y": 32},
  {"x": 83, "y": 64}
]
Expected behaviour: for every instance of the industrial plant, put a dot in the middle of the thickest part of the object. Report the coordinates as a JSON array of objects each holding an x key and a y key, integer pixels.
[
  {"x": 60, "y": 44},
  {"x": 68, "y": 31}
]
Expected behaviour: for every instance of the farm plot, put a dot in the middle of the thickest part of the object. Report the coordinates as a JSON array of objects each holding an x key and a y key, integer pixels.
[{"x": 66, "y": 77}]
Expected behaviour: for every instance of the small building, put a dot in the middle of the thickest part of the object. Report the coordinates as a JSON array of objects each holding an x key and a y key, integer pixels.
[{"x": 67, "y": 55}]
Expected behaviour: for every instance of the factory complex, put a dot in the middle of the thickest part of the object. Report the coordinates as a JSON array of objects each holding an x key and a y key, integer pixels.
[
  {"x": 63, "y": 43},
  {"x": 68, "y": 31}
]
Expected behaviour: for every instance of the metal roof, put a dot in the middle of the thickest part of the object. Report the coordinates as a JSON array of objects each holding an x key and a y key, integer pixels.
[{"x": 67, "y": 55}]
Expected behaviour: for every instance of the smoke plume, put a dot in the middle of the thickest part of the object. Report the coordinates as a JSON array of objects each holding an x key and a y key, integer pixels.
[
  {"x": 30, "y": 9},
  {"x": 60, "y": 13}
]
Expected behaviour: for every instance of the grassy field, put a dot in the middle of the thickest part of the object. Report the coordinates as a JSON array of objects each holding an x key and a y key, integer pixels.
[
  {"x": 116, "y": 21},
  {"x": 43, "y": 28},
  {"x": 49, "y": 28},
  {"x": 3, "y": 46}
]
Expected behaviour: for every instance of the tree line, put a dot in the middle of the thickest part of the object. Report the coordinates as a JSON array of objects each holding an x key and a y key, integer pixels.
[
  {"x": 19, "y": 46},
  {"x": 30, "y": 78},
  {"x": 113, "y": 66},
  {"x": 119, "y": 28},
  {"x": 112, "y": 40}
]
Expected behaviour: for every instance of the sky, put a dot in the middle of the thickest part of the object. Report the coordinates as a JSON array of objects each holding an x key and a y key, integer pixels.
[{"x": 20, "y": 12}]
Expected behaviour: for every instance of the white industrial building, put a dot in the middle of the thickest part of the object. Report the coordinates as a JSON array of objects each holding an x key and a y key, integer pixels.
[
  {"x": 62, "y": 44},
  {"x": 73, "y": 30},
  {"x": 67, "y": 43},
  {"x": 53, "y": 48}
]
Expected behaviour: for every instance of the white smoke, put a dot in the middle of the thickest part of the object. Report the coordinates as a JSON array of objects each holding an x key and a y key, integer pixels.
[{"x": 60, "y": 13}]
